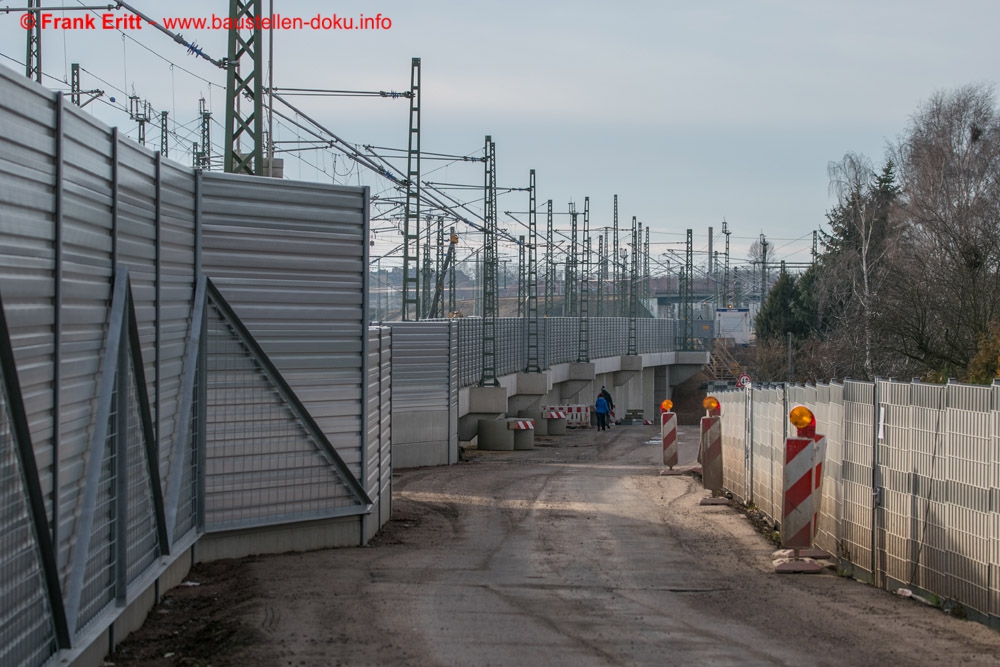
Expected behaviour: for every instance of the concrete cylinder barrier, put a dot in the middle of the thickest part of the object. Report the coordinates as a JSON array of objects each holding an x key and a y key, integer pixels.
[{"x": 495, "y": 436}]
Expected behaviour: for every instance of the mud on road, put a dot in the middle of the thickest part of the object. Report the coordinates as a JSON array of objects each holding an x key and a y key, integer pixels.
[{"x": 575, "y": 553}]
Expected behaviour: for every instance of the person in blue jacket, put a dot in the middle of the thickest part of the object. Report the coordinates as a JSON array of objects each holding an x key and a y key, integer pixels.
[{"x": 602, "y": 410}]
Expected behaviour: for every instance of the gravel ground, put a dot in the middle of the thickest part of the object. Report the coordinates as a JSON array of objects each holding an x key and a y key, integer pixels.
[{"x": 575, "y": 553}]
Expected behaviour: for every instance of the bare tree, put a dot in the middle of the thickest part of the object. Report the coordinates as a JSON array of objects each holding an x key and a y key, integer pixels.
[
  {"x": 947, "y": 275},
  {"x": 860, "y": 244}
]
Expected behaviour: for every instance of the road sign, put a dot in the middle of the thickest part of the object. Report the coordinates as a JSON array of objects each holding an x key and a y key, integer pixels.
[{"x": 743, "y": 381}]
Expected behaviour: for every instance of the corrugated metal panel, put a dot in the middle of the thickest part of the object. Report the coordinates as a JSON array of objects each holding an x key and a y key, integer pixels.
[
  {"x": 86, "y": 296},
  {"x": 177, "y": 284},
  {"x": 27, "y": 254},
  {"x": 57, "y": 301},
  {"x": 421, "y": 368},
  {"x": 385, "y": 428},
  {"x": 291, "y": 259},
  {"x": 27, "y": 632},
  {"x": 379, "y": 480},
  {"x": 263, "y": 465}
]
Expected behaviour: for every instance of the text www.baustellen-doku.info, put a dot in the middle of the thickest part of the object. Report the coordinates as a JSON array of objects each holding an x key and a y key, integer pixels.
[{"x": 115, "y": 21}]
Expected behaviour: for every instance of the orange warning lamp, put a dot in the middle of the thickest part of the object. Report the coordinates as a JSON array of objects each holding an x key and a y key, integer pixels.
[
  {"x": 804, "y": 420},
  {"x": 711, "y": 404},
  {"x": 667, "y": 405}
]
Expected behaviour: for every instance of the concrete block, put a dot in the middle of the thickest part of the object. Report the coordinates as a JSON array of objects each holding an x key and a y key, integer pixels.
[
  {"x": 581, "y": 371},
  {"x": 631, "y": 362},
  {"x": 495, "y": 436},
  {"x": 523, "y": 402},
  {"x": 524, "y": 439},
  {"x": 532, "y": 383},
  {"x": 468, "y": 425},
  {"x": 630, "y": 367},
  {"x": 487, "y": 399},
  {"x": 280, "y": 538},
  {"x": 556, "y": 426},
  {"x": 541, "y": 425}
]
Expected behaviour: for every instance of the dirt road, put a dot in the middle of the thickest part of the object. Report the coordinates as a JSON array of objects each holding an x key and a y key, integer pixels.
[{"x": 576, "y": 553}]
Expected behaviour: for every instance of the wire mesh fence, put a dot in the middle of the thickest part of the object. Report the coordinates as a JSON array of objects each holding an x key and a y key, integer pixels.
[
  {"x": 262, "y": 465},
  {"x": 559, "y": 342},
  {"x": 27, "y": 635},
  {"x": 910, "y": 480}
]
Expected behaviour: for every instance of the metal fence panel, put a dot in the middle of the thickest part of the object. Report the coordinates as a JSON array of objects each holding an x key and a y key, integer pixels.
[
  {"x": 929, "y": 459},
  {"x": 559, "y": 342},
  {"x": 422, "y": 369},
  {"x": 970, "y": 449},
  {"x": 830, "y": 422},
  {"x": 895, "y": 520},
  {"x": 263, "y": 465},
  {"x": 994, "y": 526},
  {"x": 379, "y": 476},
  {"x": 27, "y": 634},
  {"x": 733, "y": 410},
  {"x": 291, "y": 258},
  {"x": 857, "y": 473}
]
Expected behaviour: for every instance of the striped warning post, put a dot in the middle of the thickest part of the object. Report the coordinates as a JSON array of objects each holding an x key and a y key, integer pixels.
[
  {"x": 798, "y": 507},
  {"x": 819, "y": 456},
  {"x": 711, "y": 453},
  {"x": 668, "y": 429},
  {"x": 520, "y": 424}
]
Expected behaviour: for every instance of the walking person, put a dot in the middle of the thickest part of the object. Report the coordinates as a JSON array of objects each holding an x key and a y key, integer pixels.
[
  {"x": 602, "y": 410},
  {"x": 611, "y": 405}
]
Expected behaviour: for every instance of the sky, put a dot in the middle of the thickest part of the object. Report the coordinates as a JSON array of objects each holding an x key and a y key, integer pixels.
[{"x": 691, "y": 112}]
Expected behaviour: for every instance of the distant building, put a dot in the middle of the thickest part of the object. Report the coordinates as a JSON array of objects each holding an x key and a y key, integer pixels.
[{"x": 733, "y": 323}]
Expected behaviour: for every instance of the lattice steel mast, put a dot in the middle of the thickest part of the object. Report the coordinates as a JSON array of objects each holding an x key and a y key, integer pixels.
[
  {"x": 686, "y": 296},
  {"x": 164, "y": 135},
  {"x": 489, "y": 338},
  {"x": 638, "y": 260},
  {"x": 244, "y": 86},
  {"x": 550, "y": 261},
  {"x": 583, "y": 340},
  {"x": 646, "y": 291},
  {"x": 615, "y": 258},
  {"x": 411, "y": 216},
  {"x": 602, "y": 266},
  {"x": 534, "y": 365},
  {"x": 33, "y": 51},
  {"x": 633, "y": 301},
  {"x": 725, "y": 275},
  {"x": 522, "y": 278},
  {"x": 569, "y": 284}
]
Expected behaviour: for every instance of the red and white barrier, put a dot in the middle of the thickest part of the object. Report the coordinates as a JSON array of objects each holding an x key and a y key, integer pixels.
[
  {"x": 798, "y": 512},
  {"x": 711, "y": 453},
  {"x": 520, "y": 424},
  {"x": 819, "y": 456},
  {"x": 668, "y": 430},
  {"x": 575, "y": 415}
]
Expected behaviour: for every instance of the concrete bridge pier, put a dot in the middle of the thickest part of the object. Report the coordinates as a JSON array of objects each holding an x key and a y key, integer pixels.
[
  {"x": 526, "y": 402},
  {"x": 484, "y": 403}
]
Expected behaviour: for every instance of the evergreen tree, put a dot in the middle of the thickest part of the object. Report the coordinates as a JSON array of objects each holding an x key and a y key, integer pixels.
[{"x": 778, "y": 314}]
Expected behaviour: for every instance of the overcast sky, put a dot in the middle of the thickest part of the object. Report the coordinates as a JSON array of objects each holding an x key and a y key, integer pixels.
[{"x": 692, "y": 112}]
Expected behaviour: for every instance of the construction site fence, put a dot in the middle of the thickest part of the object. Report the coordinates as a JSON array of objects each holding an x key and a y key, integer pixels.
[
  {"x": 143, "y": 405},
  {"x": 910, "y": 495},
  {"x": 559, "y": 342}
]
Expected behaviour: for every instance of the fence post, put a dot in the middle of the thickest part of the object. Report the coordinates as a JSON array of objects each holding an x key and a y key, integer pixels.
[
  {"x": 876, "y": 479},
  {"x": 748, "y": 444}
]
